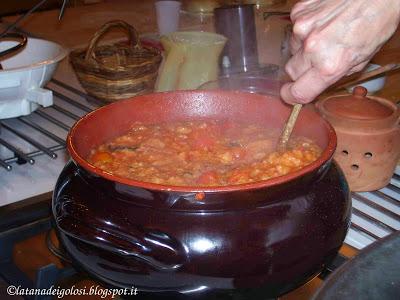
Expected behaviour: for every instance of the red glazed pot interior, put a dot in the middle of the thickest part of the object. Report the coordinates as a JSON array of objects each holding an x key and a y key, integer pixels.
[{"x": 115, "y": 119}]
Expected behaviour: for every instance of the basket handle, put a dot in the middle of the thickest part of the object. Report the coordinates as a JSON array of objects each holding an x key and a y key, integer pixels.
[
  {"x": 13, "y": 35},
  {"x": 133, "y": 36}
]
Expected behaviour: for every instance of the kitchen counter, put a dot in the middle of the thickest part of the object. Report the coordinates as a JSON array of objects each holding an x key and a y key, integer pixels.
[
  {"x": 75, "y": 30},
  {"x": 80, "y": 23}
]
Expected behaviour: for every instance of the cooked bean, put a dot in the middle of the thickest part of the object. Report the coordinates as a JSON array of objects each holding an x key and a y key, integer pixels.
[
  {"x": 203, "y": 153},
  {"x": 122, "y": 147}
]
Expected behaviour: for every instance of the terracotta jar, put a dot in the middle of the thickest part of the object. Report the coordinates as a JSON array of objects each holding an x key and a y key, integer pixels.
[{"x": 368, "y": 137}]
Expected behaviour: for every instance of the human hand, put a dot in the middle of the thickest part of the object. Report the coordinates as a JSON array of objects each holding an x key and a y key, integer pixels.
[{"x": 332, "y": 39}]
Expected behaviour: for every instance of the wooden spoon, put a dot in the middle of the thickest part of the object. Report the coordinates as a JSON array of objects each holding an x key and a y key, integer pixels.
[
  {"x": 288, "y": 128},
  {"x": 357, "y": 78}
]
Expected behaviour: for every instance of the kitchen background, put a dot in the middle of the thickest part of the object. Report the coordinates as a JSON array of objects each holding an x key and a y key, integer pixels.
[{"x": 375, "y": 214}]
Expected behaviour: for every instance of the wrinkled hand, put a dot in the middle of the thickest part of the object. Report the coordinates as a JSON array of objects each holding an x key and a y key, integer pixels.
[{"x": 332, "y": 39}]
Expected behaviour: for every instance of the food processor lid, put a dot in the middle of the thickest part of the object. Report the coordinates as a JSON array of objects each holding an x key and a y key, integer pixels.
[{"x": 358, "y": 106}]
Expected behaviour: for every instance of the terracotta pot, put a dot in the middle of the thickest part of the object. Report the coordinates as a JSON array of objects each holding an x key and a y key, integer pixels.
[
  {"x": 368, "y": 133},
  {"x": 272, "y": 235}
]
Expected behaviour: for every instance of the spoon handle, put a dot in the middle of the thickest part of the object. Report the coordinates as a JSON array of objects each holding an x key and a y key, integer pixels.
[
  {"x": 288, "y": 128},
  {"x": 349, "y": 81}
]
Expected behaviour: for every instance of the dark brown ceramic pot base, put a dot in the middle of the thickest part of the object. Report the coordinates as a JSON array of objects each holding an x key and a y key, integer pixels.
[{"x": 163, "y": 241}]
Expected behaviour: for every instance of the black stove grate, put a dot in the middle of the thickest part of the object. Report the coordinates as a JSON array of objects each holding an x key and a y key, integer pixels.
[
  {"x": 46, "y": 276},
  {"x": 43, "y": 132},
  {"x": 36, "y": 220}
]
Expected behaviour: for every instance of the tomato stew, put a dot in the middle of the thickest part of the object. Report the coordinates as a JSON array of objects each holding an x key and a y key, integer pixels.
[{"x": 202, "y": 153}]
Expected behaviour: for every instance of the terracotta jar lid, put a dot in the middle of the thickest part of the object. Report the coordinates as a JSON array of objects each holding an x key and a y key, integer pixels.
[{"x": 359, "y": 111}]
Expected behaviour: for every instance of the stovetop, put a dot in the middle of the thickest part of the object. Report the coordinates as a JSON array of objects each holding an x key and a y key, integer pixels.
[
  {"x": 36, "y": 220},
  {"x": 41, "y": 137}
]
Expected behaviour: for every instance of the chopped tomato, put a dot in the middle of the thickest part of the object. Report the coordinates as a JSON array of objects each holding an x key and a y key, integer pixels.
[
  {"x": 208, "y": 178},
  {"x": 238, "y": 176},
  {"x": 102, "y": 157},
  {"x": 201, "y": 139},
  {"x": 200, "y": 196},
  {"x": 202, "y": 153}
]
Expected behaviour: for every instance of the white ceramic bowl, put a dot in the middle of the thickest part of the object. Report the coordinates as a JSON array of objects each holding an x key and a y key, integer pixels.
[
  {"x": 24, "y": 75},
  {"x": 372, "y": 85}
]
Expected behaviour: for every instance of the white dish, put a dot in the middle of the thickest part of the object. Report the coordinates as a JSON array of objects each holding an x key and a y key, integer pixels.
[
  {"x": 24, "y": 75},
  {"x": 373, "y": 85}
]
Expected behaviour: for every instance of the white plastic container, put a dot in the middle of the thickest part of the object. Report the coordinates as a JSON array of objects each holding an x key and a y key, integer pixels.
[
  {"x": 24, "y": 75},
  {"x": 167, "y": 16},
  {"x": 373, "y": 85}
]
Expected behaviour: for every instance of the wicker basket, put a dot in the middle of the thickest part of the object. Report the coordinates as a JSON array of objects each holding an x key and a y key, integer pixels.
[{"x": 118, "y": 71}]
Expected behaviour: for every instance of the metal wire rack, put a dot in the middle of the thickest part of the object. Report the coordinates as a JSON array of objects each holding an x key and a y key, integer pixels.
[
  {"x": 374, "y": 215},
  {"x": 44, "y": 131}
]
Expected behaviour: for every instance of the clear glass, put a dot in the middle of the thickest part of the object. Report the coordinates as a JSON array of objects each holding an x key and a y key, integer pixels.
[
  {"x": 200, "y": 6},
  {"x": 254, "y": 83},
  {"x": 264, "y": 3}
]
